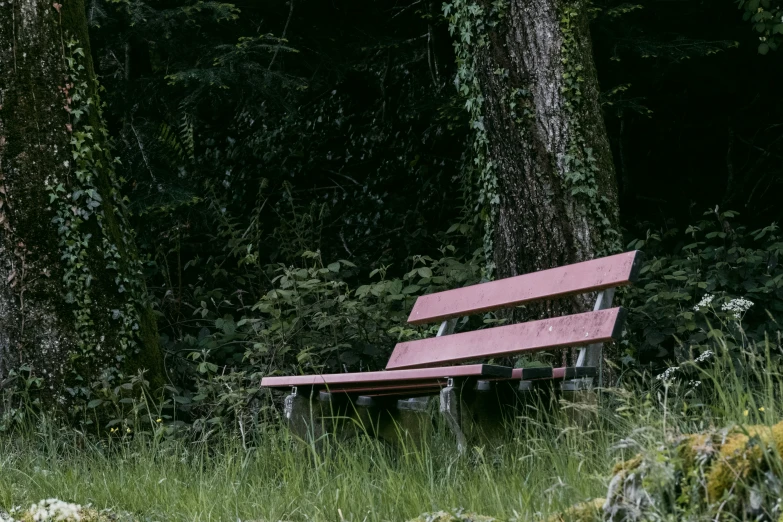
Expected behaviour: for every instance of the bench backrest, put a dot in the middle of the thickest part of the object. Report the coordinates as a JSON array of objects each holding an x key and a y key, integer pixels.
[{"x": 572, "y": 330}]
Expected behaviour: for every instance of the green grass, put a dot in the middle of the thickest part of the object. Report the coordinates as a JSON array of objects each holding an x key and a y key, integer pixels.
[
  {"x": 541, "y": 467},
  {"x": 537, "y": 469}
]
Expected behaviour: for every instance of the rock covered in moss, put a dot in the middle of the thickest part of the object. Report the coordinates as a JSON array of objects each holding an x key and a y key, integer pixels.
[
  {"x": 591, "y": 511},
  {"x": 734, "y": 473}
]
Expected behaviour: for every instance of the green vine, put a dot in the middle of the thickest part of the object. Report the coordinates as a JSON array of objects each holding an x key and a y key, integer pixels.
[
  {"x": 469, "y": 24},
  {"x": 581, "y": 166},
  {"x": 81, "y": 214}
]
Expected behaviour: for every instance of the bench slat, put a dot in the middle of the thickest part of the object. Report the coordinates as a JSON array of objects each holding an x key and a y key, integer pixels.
[
  {"x": 393, "y": 388},
  {"x": 570, "y": 330},
  {"x": 598, "y": 274},
  {"x": 423, "y": 374}
]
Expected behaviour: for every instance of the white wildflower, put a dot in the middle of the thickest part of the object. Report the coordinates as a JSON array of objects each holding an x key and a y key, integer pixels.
[
  {"x": 667, "y": 374},
  {"x": 737, "y": 307},
  {"x": 704, "y": 356},
  {"x": 705, "y": 301},
  {"x": 55, "y": 510},
  {"x": 694, "y": 384}
]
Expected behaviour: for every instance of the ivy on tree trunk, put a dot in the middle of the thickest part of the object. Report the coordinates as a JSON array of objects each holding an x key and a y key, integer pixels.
[
  {"x": 546, "y": 181},
  {"x": 73, "y": 306}
]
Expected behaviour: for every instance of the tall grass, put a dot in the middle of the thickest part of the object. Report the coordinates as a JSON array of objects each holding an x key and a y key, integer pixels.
[
  {"x": 286, "y": 479},
  {"x": 544, "y": 464}
]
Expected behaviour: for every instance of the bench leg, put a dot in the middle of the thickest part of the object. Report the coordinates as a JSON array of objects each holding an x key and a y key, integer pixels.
[
  {"x": 300, "y": 417},
  {"x": 449, "y": 409}
]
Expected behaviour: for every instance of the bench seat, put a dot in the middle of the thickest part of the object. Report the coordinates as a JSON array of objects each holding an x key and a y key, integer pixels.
[
  {"x": 389, "y": 381},
  {"x": 421, "y": 381}
]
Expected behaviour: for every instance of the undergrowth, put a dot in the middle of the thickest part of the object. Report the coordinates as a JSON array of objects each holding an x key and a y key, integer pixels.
[{"x": 545, "y": 463}]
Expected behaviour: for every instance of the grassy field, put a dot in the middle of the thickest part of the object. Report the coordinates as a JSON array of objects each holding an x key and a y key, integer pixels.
[
  {"x": 284, "y": 479},
  {"x": 542, "y": 466}
]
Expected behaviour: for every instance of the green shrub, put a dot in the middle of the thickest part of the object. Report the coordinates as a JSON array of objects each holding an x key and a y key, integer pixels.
[{"x": 716, "y": 263}]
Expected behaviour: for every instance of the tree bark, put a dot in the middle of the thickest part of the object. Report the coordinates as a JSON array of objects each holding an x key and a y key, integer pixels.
[
  {"x": 73, "y": 307},
  {"x": 547, "y": 141}
]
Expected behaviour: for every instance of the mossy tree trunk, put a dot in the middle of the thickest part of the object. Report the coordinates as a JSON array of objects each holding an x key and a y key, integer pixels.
[
  {"x": 556, "y": 179},
  {"x": 73, "y": 307},
  {"x": 547, "y": 181}
]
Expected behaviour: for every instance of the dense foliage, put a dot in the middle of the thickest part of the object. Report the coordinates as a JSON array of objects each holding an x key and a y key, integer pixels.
[{"x": 300, "y": 171}]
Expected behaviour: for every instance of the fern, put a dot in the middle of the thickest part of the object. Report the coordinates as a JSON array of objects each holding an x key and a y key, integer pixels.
[{"x": 180, "y": 142}]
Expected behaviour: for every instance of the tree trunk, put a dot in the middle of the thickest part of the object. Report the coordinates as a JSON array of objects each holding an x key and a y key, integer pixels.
[
  {"x": 547, "y": 181},
  {"x": 73, "y": 306}
]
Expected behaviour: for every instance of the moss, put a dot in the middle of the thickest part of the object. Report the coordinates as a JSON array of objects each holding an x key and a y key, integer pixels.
[
  {"x": 591, "y": 511},
  {"x": 741, "y": 454},
  {"x": 729, "y": 474},
  {"x": 627, "y": 465},
  {"x": 149, "y": 357},
  {"x": 691, "y": 447}
]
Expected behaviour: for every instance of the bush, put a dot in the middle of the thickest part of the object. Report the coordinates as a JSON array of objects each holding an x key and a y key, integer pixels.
[{"x": 715, "y": 280}]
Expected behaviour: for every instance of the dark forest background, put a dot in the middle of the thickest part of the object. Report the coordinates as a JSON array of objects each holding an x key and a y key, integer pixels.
[{"x": 299, "y": 171}]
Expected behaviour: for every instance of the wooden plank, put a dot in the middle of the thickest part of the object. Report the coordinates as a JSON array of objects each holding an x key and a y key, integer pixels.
[
  {"x": 598, "y": 274},
  {"x": 406, "y": 393},
  {"x": 424, "y": 374},
  {"x": 395, "y": 388},
  {"x": 570, "y": 330}
]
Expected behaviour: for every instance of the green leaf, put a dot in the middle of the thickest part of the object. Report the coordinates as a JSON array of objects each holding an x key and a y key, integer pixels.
[
  {"x": 763, "y": 48},
  {"x": 425, "y": 272},
  {"x": 334, "y": 267},
  {"x": 94, "y": 403}
]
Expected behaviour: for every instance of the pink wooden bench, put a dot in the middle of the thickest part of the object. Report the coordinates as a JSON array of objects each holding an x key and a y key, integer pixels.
[{"x": 430, "y": 366}]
